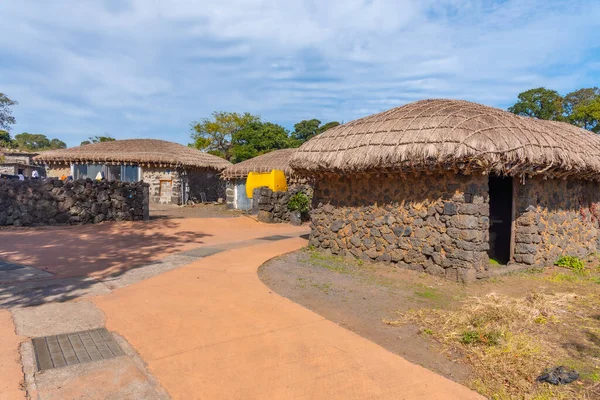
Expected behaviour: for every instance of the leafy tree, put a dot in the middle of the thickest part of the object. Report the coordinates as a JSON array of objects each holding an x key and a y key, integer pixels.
[
  {"x": 258, "y": 138},
  {"x": 98, "y": 139},
  {"x": 6, "y": 118},
  {"x": 308, "y": 128},
  {"x": 32, "y": 141},
  {"x": 5, "y": 139},
  {"x": 580, "y": 97},
  {"x": 37, "y": 142},
  {"x": 539, "y": 103},
  {"x": 327, "y": 126},
  {"x": 587, "y": 115},
  {"x": 583, "y": 108},
  {"x": 215, "y": 134},
  {"x": 57, "y": 144}
]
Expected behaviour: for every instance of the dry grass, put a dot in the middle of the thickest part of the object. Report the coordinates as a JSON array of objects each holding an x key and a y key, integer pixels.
[{"x": 510, "y": 341}]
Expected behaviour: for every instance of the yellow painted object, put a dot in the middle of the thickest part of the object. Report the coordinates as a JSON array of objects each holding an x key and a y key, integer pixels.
[{"x": 274, "y": 180}]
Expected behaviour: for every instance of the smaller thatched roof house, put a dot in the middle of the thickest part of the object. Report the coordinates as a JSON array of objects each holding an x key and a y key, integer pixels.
[
  {"x": 236, "y": 174},
  {"x": 443, "y": 185},
  {"x": 176, "y": 173}
]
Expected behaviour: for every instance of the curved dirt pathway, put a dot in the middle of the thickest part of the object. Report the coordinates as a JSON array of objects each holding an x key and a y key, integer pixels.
[{"x": 213, "y": 330}]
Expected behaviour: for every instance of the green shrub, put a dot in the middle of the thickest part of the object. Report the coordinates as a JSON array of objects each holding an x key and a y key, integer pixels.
[
  {"x": 573, "y": 263},
  {"x": 299, "y": 202}
]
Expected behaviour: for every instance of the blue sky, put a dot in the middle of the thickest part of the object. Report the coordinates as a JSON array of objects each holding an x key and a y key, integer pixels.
[{"x": 147, "y": 68}]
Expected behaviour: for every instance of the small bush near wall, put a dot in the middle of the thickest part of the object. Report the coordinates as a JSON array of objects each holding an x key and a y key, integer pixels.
[
  {"x": 52, "y": 202},
  {"x": 273, "y": 206}
]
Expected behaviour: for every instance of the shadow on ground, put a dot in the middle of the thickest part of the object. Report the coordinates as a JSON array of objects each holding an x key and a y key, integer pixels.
[{"x": 83, "y": 258}]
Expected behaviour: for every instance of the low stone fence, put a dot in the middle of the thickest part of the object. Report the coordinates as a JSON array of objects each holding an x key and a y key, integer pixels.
[
  {"x": 52, "y": 202},
  {"x": 273, "y": 206}
]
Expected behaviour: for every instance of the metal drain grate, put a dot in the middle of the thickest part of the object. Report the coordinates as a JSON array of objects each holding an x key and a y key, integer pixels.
[
  {"x": 274, "y": 238},
  {"x": 74, "y": 348}
]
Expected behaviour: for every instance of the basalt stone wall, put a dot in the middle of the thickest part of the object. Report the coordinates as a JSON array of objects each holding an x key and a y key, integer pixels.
[
  {"x": 554, "y": 218},
  {"x": 207, "y": 181},
  {"x": 433, "y": 223},
  {"x": 273, "y": 206},
  {"x": 52, "y": 202},
  {"x": 154, "y": 175}
]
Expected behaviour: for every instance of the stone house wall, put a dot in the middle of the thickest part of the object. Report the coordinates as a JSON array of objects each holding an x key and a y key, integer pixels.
[
  {"x": 58, "y": 170},
  {"x": 153, "y": 175},
  {"x": 273, "y": 206},
  {"x": 434, "y": 223},
  {"x": 7, "y": 169},
  {"x": 205, "y": 180},
  {"x": 554, "y": 218},
  {"x": 52, "y": 202}
]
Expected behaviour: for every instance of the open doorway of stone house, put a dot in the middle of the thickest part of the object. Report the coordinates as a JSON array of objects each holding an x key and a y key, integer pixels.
[{"x": 501, "y": 216}]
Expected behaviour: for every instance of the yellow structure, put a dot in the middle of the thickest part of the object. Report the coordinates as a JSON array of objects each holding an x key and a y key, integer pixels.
[{"x": 274, "y": 180}]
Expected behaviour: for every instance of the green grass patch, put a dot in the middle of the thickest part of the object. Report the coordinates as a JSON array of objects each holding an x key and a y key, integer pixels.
[
  {"x": 573, "y": 263},
  {"x": 558, "y": 277},
  {"x": 330, "y": 262},
  {"x": 429, "y": 294},
  {"x": 480, "y": 337}
]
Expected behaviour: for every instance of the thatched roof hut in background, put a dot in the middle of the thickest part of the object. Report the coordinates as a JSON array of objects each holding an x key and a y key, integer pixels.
[
  {"x": 440, "y": 185},
  {"x": 176, "y": 173},
  {"x": 143, "y": 152},
  {"x": 453, "y": 135},
  {"x": 277, "y": 159},
  {"x": 236, "y": 175}
]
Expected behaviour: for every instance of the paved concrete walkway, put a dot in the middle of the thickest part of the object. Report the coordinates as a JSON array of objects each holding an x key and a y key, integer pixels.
[
  {"x": 212, "y": 330},
  {"x": 11, "y": 374}
]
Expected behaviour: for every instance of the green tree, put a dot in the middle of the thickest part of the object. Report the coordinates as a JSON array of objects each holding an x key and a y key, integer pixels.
[
  {"x": 582, "y": 108},
  {"x": 6, "y": 118},
  {"x": 539, "y": 103},
  {"x": 587, "y": 115},
  {"x": 215, "y": 134},
  {"x": 327, "y": 126},
  {"x": 309, "y": 128},
  {"x": 306, "y": 129},
  {"x": 97, "y": 139},
  {"x": 32, "y": 141},
  {"x": 57, "y": 144},
  {"x": 5, "y": 139},
  {"x": 258, "y": 138}
]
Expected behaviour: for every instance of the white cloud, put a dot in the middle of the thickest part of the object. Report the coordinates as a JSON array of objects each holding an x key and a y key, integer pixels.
[{"x": 150, "y": 67}]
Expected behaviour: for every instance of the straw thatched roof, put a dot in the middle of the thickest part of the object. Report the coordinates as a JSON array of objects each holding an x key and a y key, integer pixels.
[
  {"x": 454, "y": 135},
  {"x": 278, "y": 159},
  {"x": 146, "y": 152}
]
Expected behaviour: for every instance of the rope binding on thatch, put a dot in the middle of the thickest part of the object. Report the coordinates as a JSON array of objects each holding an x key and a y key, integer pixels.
[{"x": 460, "y": 136}]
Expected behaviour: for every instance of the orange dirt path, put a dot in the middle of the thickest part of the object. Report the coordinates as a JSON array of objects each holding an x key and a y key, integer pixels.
[
  {"x": 11, "y": 374},
  {"x": 113, "y": 247},
  {"x": 212, "y": 330}
]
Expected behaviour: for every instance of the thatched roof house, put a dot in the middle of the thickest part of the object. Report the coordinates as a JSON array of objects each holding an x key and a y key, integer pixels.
[
  {"x": 277, "y": 159},
  {"x": 236, "y": 175},
  {"x": 143, "y": 152},
  {"x": 176, "y": 173},
  {"x": 436, "y": 185}
]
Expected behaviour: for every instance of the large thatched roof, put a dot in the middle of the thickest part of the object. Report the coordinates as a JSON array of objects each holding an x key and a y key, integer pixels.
[
  {"x": 278, "y": 159},
  {"x": 455, "y": 135},
  {"x": 146, "y": 152}
]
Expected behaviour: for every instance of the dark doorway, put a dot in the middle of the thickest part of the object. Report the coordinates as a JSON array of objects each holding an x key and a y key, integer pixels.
[{"x": 500, "y": 218}]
